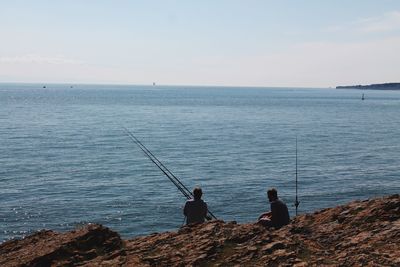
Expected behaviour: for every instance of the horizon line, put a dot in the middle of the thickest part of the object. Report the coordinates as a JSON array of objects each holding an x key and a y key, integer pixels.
[{"x": 170, "y": 85}]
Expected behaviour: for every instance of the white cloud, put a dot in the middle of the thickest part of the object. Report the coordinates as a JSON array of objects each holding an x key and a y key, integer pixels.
[
  {"x": 329, "y": 63},
  {"x": 38, "y": 59},
  {"x": 385, "y": 23},
  {"x": 313, "y": 64}
]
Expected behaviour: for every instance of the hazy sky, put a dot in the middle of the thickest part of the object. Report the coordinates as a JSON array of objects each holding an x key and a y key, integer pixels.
[{"x": 316, "y": 43}]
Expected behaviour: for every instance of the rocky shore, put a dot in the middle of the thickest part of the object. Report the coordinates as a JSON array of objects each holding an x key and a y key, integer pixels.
[{"x": 361, "y": 233}]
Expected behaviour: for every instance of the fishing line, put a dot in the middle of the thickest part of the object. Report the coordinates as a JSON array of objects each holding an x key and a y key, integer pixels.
[{"x": 181, "y": 187}]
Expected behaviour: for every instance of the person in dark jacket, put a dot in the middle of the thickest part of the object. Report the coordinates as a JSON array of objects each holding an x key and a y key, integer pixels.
[
  {"x": 195, "y": 209},
  {"x": 279, "y": 214}
]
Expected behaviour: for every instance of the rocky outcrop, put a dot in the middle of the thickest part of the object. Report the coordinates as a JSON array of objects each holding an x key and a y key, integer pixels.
[
  {"x": 357, "y": 234},
  {"x": 92, "y": 244}
]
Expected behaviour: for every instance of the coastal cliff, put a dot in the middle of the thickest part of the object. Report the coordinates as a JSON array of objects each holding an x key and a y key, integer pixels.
[
  {"x": 357, "y": 234},
  {"x": 379, "y": 86}
]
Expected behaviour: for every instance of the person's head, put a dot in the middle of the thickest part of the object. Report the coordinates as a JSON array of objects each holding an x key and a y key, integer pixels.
[
  {"x": 197, "y": 193},
  {"x": 272, "y": 194}
]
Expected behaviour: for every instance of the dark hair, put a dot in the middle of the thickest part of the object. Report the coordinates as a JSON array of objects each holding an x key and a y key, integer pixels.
[
  {"x": 273, "y": 193},
  {"x": 197, "y": 193}
]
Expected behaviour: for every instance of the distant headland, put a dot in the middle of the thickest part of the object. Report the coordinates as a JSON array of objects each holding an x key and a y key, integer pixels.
[{"x": 378, "y": 86}]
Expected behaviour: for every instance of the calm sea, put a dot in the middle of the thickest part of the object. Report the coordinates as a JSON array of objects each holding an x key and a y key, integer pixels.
[{"x": 65, "y": 159}]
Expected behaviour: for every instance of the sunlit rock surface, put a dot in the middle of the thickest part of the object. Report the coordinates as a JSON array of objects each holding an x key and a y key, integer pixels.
[{"x": 361, "y": 233}]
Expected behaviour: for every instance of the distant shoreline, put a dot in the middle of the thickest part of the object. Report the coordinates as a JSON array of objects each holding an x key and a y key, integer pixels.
[{"x": 379, "y": 86}]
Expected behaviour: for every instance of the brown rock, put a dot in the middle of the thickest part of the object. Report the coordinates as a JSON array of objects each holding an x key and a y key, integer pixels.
[
  {"x": 45, "y": 248},
  {"x": 361, "y": 233}
]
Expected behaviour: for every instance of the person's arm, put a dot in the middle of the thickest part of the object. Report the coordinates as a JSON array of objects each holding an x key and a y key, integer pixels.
[
  {"x": 274, "y": 213},
  {"x": 185, "y": 209},
  {"x": 205, "y": 211},
  {"x": 265, "y": 215}
]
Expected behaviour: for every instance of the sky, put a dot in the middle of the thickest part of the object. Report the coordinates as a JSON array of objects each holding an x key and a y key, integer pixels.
[{"x": 282, "y": 43}]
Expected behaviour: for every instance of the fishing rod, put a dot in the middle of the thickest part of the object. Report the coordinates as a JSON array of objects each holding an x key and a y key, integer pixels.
[
  {"x": 147, "y": 152},
  {"x": 181, "y": 187},
  {"x": 152, "y": 156},
  {"x": 296, "y": 203}
]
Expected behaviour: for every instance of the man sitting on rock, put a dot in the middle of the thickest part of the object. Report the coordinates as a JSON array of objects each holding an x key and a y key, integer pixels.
[
  {"x": 279, "y": 214},
  {"x": 195, "y": 209}
]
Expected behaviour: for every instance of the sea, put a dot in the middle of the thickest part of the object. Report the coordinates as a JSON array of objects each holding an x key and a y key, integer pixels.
[{"x": 65, "y": 159}]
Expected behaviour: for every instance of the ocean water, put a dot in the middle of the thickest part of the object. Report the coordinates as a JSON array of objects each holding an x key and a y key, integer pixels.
[{"x": 65, "y": 159}]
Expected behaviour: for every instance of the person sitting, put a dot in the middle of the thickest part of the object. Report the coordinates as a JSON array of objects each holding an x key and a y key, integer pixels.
[
  {"x": 279, "y": 214},
  {"x": 195, "y": 209}
]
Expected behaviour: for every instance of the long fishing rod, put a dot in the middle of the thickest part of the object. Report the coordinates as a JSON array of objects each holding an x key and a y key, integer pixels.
[
  {"x": 182, "y": 188},
  {"x": 296, "y": 203},
  {"x": 148, "y": 153},
  {"x": 186, "y": 193}
]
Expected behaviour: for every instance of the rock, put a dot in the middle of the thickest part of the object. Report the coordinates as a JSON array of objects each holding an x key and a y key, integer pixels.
[
  {"x": 45, "y": 248},
  {"x": 273, "y": 246},
  {"x": 357, "y": 234}
]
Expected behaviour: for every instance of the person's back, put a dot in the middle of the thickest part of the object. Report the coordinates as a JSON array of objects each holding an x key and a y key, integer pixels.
[
  {"x": 279, "y": 214},
  {"x": 195, "y": 209}
]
